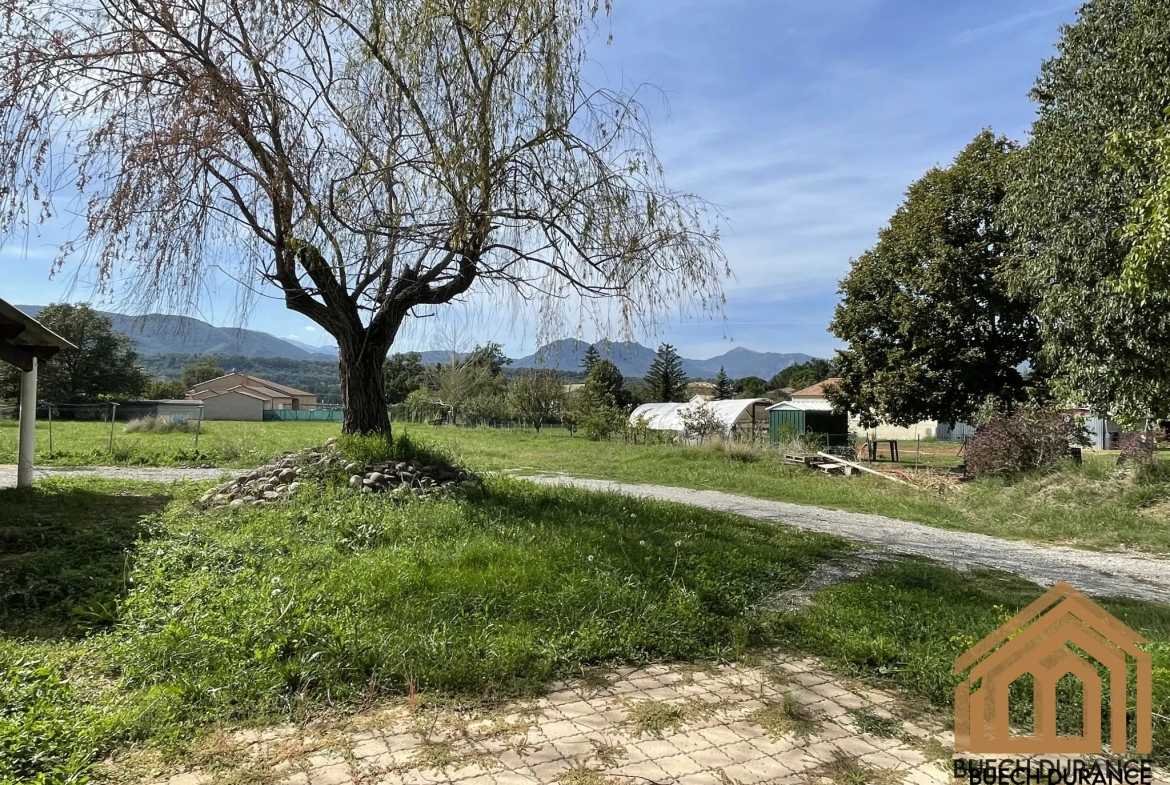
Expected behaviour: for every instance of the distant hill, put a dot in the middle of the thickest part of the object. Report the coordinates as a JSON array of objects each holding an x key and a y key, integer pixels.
[
  {"x": 634, "y": 359},
  {"x": 163, "y": 334},
  {"x": 158, "y": 333},
  {"x": 319, "y": 352}
]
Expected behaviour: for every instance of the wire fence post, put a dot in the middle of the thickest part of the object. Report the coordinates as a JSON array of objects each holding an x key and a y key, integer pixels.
[
  {"x": 50, "y": 429},
  {"x": 198, "y": 428},
  {"x": 113, "y": 417},
  {"x": 917, "y": 451}
]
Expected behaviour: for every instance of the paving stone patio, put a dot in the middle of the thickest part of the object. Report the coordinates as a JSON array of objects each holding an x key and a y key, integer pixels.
[{"x": 783, "y": 721}]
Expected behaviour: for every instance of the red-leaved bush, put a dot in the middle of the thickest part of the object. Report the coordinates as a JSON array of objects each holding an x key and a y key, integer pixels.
[
  {"x": 1028, "y": 439},
  {"x": 1137, "y": 449}
]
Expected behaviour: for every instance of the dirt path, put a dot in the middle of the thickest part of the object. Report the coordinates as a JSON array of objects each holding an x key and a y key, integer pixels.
[
  {"x": 1099, "y": 574},
  {"x": 145, "y": 473}
]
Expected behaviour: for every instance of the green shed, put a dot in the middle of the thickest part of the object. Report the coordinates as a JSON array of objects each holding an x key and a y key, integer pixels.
[{"x": 805, "y": 417}]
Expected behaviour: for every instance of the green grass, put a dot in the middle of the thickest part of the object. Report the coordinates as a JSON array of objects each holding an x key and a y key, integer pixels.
[
  {"x": 233, "y": 444},
  {"x": 1093, "y": 506},
  {"x": 906, "y": 624},
  {"x": 238, "y": 616},
  {"x": 234, "y": 616}
]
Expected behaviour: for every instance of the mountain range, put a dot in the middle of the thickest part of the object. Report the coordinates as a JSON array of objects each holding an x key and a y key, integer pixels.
[
  {"x": 167, "y": 334},
  {"x": 158, "y": 333},
  {"x": 634, "y": 359}
]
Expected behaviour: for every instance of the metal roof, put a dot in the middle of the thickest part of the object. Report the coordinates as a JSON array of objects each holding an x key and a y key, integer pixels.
[
  {"x": 668, "y": 416},
  {"x": 812, "y": 405},
  {"x": 23, "y": 338}
]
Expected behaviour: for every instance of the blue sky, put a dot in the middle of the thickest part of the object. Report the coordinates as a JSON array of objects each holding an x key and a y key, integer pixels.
[{"x": 805, "y": 121}]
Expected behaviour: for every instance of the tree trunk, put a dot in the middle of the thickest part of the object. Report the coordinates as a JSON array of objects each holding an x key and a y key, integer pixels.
[{"x": 363, "y": 394}]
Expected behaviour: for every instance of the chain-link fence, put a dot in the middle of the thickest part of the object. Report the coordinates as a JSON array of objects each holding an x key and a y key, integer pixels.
[{"x": 59, "y": 425}]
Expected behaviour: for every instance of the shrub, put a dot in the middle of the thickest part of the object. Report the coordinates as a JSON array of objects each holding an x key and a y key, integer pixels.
[
  {"x": 1031, "y": 438},
  {"x": 700, "y": 422},
  {"x": 601, "y": 423},
  {"x": 1137, "y": 449},
  {"x": 161, "y": 424}
]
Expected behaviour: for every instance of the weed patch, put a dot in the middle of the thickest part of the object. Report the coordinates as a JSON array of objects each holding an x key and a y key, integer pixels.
[{"x": 788, "y": 716}]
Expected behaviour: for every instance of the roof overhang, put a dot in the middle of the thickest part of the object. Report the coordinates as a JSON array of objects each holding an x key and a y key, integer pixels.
[{"x": 23, "y": 339}]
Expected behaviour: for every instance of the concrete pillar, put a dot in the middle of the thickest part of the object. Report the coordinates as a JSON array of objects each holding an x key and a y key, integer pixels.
[{"x": 28, "y": 427}]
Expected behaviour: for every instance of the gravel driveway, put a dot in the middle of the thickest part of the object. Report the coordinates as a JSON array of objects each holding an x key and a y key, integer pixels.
[
  {"x": 145, "y": 473},
  {"x": 1099, "y": 574}
]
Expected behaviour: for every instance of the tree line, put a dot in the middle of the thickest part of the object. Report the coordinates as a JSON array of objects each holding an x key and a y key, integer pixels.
[
  {"x": 476, "y": 384},
  {"x": 1031, "y": 272}
]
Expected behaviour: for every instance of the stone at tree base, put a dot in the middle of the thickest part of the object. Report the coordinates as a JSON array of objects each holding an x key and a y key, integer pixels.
[{"x": 283, "y": 477}]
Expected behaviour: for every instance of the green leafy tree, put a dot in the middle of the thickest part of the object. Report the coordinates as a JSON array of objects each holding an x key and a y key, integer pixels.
[
  {"x": 751, "y": 387},
  {"x": 724, "y": 387},
  {"x": 802, "y": 375},
  {"x": 403, "y": 374},
  {"x": 931, "y": 327},
  {"x": 165, "y": 390},
  {"x": 202, "y": 370},
  {"x": 1105, "y": 345},
  {"x": 591, "y": 358},
  {"x": 490, "y": 356},
  {"x": 104, "y": 365},
  {"x": 666, "y": 379},
  {"x": 366, "y": 162},
  {"x": 1146, "y": 271},
  {"x": 536, "y": 396}
]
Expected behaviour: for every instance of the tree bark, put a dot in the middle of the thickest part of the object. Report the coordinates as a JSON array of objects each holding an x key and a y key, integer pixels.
[{"x": 363, "y": 394}]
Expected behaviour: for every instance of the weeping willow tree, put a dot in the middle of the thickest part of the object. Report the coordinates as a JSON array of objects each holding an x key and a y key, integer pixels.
[{"x": 365, "y": 161}]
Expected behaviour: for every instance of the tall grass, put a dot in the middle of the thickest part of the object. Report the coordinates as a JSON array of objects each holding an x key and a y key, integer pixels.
[{"x": 161, "y": 424}]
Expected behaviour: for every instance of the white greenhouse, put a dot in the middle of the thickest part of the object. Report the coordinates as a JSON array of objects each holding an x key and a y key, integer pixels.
[{"x": 744, "y": 416}]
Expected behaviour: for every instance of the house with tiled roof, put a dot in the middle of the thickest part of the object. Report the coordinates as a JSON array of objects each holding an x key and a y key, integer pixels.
[{"x": 242, "y": 396}]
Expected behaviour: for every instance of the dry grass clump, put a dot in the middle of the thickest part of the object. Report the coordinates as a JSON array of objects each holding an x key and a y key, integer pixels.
[{"x": 160, "y": 424}]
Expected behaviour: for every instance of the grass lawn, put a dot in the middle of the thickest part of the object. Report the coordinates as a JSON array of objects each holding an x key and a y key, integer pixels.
[
  {"x": 235, "y": 444},
  {"x": 117, "y": 629},
  {"x": 252, "y": 615},
  {"x": 1093, "y": 506}
]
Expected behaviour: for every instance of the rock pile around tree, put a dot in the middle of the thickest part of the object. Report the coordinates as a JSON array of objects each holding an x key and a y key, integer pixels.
[{"x": 283, "y": 477}]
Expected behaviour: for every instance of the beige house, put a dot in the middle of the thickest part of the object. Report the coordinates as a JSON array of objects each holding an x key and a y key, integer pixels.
[
  {"x": 925, "y": 429},
  {"x": 241, "y": 396}
]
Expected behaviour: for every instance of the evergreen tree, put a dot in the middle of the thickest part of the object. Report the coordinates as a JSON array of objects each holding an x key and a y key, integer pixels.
[
  {"x": 591, "y": 358},
  {"x": 724, "y": 387},
  {"x": 666, "y": 378}
]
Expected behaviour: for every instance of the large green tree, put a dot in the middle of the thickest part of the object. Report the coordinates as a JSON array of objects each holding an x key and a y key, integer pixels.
[
  {"x": 1147, "y": 229},
  {"x": 403, "y": 374},
  {"x": 666, "y": 379},
  {"x": 536, "y": 395},
  {"x": 802, "y": 375},
  {"x": 931, "y": 328},
  {"x": 202, "y": 370},
  {"x": 365, "y": 162},
  {"x": 103, "y": 366},
  {"x": 1105, "y": 344},
  {"x": 750, "y": 387}
]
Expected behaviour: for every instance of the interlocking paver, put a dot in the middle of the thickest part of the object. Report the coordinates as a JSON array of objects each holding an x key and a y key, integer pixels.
[{"x": 575, "y": 727}]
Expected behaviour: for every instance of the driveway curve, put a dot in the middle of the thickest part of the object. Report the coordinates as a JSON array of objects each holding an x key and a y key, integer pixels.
[{"x": 1099, "y": 574}]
